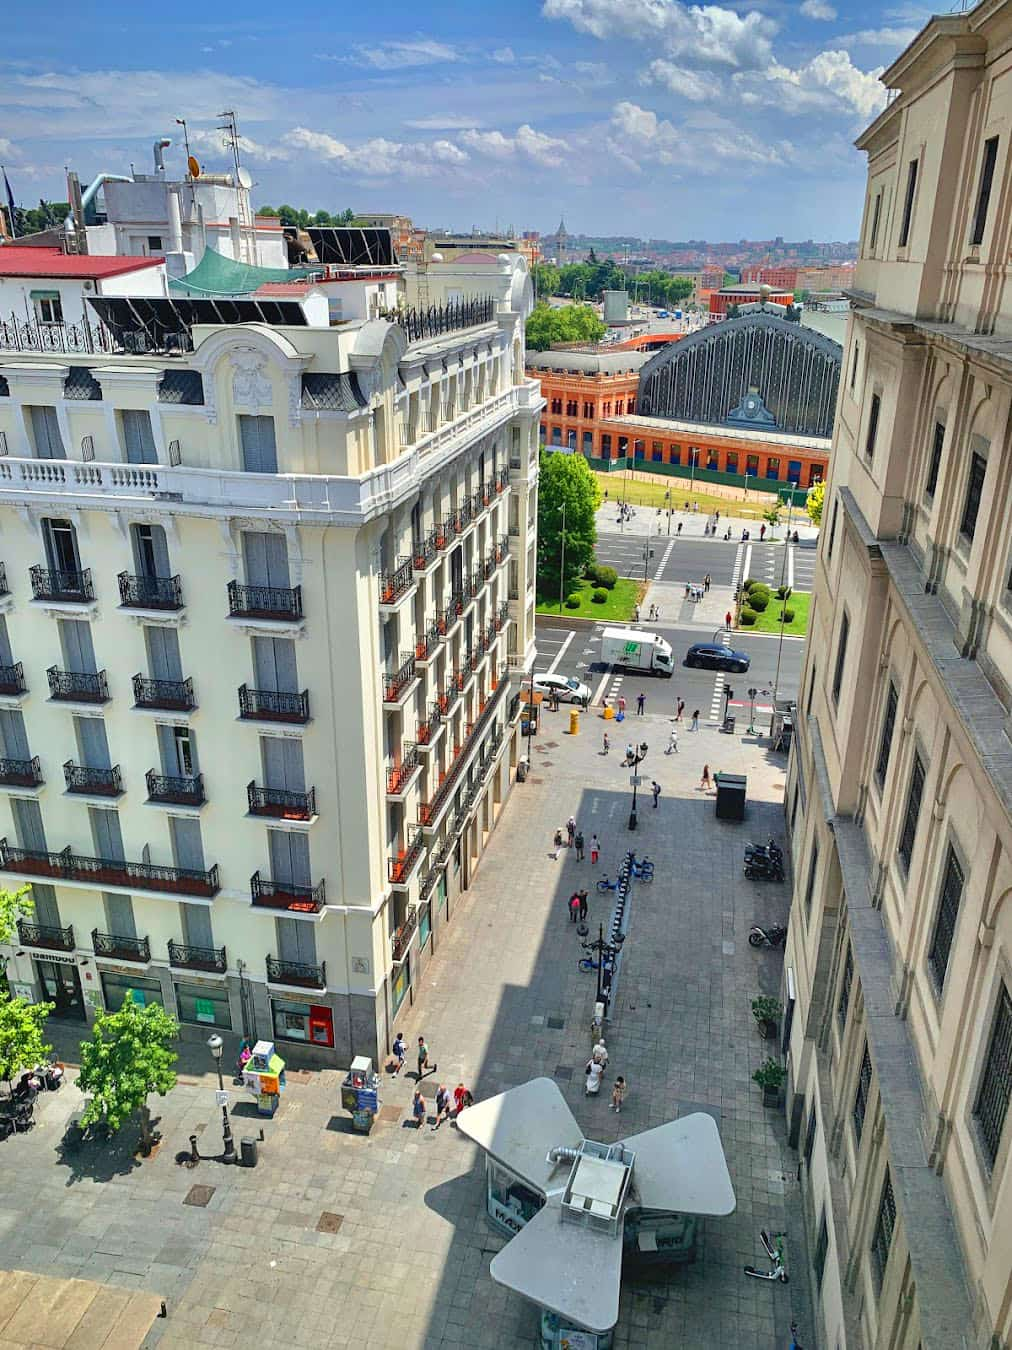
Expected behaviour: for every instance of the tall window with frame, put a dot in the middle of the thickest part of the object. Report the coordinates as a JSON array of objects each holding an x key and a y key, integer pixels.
[
  {"x": 984, "y": 190},
  {"x": 876, "y": 215},
  {"x": 846, "y": 983},
  {"x": 948, "y": 914},
  {"x": 821, "y": 1249},
  {"x": 813, "y": 868},
  {"x": 886, "y": 740},
  {"x": 841, "y": 657},
  {"x": 908, "y": 204},
  {"x": 995, "y": 1091},
  {"x": 832, "y": 531},
  {"x": 861, "y": 1094},
  {"x": 935, "y": 462},
  {"x": 811, "y": 692},
  {"x": 853, "y": 365},
  {"x": 974, "y": 491},
  {"x": 882, "y": 1237},
  {"x": 873, "y": 416},
  {"x": 905, "y": 847}
]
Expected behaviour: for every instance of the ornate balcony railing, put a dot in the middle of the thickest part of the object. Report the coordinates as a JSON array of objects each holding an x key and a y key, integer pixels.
[
  {"x": 458, "y": 600},
  {"x": 501, "y": 549},
  {"x": 87, "y": 338},
  {"x": 489, "y": 566},
  {"x": 444, "y": 533},
  {"x": 395, "y": 584},
  {"x": 428, "y": 642},
  {"x": 424, "y": 552},
  {"x": 502, "y": 479},
  {"x": 198, "y": 958},
  {"x": 264, "y": 602},
  {"x": 269, "y": 705},
  {"x": 427, "y": 883},
  {"x": 502, "y": 616},
  {"x": 401, "y": 867},
  {"x": 78, "y": 686},
  {"x": 297, "y": 972},
  {"x": 167, "y": 695},
  {"x": 281, "y": 803},
  {"x": 183, "y": 790},
  {"x": 48, "y": 584},
  {"x": 98, "y": 782},
  {"x": 287, "y": 895},
  {"x": 426, "y": 730},
  {"x": 399, "y": 774},
  {"x": 446, "y": 700},
  {"x": 12, "y": 679},
  {"x": 395, "y": 682},
  {"x": 476, "y": 583},
  {"x": 400, "y": 941},
  {"x": 149, "y": 592},
  {"x": 120, "y": 948},
  {"x": 21, "y": 772},
  {"x": 41, "y": 935},
  {"x": 109, "y": 871},
  {"x": 431, "y": 321}
]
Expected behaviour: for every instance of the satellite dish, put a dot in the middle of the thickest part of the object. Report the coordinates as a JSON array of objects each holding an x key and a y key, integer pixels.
[
  {"x": 193, "y": 166},
  {"x": 245, "y": 178}
]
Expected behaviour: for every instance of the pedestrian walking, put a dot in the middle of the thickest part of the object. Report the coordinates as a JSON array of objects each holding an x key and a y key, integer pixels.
[
  {"x": 571, "y": 829},
  {"x": 630, "y": 754},
  {"x": 621, "y": 705},
  {"x": 607, "y": 744},
  {"x": 442, "y": 1106},
  {"x": 418, "y": 1108},
  {"x": 578, "y": 842},
  {"x": 636, "y": 613},
  {"x": 681, "y": 709},
  {"x": 655, "y": 788},
  {"x": 558, "y": 844},
  {"x": 574, "y": 906},
  {"x": 762, "y": 533},
  {"x": 641, "y": 703},
  {"x": 679, "y": 530},
  {"x": 595, "y": 849},
  {"x": 424, "y": 1066},
  {"x": 727, "y": 620},
  {"x": 618, "y": 1094},
  {"x": 672, "y": 742},
  {"x": 400, "y": 1050},
  {"x": 462, "y": 1098},
  {"x": 706, "y": 582},
  {"x": 583, "y": 905},
  {"x": 695, "y": 721},
  {"x": 704, "y": 782}
]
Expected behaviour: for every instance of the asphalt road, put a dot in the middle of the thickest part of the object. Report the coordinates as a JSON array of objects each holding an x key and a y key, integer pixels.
[{"x": 689, "y": 559}]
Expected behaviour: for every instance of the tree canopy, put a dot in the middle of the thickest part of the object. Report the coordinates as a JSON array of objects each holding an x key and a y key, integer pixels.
[
  {"x": 14, "y": 905},
  {"x": 130, "y": 1054},
  {"x": 42, "y": 217},
  {"x": 565, "y": 479},
  {"x": 22, "y": 1040},
  {"x": 813, "y": 502},
  {"x": 302, "y": 219},
  {"x": 569, "y": 323}
]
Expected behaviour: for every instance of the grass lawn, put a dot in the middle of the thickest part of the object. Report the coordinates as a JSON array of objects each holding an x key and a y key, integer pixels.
[
  {"x": 620, "y": 604},
  {"x": 769, "y": 620},
  {"x": 652, "y": 494}
]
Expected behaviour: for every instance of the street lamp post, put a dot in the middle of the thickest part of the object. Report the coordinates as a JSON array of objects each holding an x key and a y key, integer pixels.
[
  {"x": 783, "y": 602},
  {"x": 562, "y": 565},
  {"x": 693, "y": 454},
  {"x": 638, "y": 757},
  {"x": 216, "y": 1046}
]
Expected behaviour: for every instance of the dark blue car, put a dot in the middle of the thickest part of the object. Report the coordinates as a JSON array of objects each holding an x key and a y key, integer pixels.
[{"x": 712, "y": 656}]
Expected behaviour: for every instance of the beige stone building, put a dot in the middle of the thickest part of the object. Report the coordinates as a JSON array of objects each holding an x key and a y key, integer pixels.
[
  {"x": 267, "y": 582},
  {"x": 898, "y": 973}
]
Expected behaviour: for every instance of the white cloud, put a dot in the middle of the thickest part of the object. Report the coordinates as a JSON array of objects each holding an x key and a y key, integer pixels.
[
  {"x": 641, "y": 138},
  {"x": 681, "y": 81},
  {"x": 6, "y": 149},
  {"x": 211, "y": 142},
  {"x": 441, "y": 123},
  {"x": 829, "y": 81},
  {"x": 881, "y": 37},
  {"x": 504, "y": 55},
  {"x": 318, "y": 142},
  {"x": 377, "y": 157},
  {"x": 536, "y": 145},
  {"x": 706, "y": 35},
  {"x": 401, "y": 55},
  {"x": 818, "y": 9}
]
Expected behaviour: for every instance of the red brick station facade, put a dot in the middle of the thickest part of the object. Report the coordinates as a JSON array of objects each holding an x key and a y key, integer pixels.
[{"x": 717, "y": 413}]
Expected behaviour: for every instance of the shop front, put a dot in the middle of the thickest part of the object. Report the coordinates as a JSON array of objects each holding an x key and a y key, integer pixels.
[
  {"x": 143, "y": 990},
  {"x": 204, "y": 1004},
  {"x": 60, "y": 982},
  {"x": 306, "y": 1022}
]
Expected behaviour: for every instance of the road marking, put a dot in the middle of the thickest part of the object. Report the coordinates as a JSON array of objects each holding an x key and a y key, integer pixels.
[
  {"x": 790, "y": 566},
  {"x": 748, "y": 561},
  {"x": 600, "y": 686},
  {"x": 560, "y": 653},
  {"x": 664, "y": 560}
]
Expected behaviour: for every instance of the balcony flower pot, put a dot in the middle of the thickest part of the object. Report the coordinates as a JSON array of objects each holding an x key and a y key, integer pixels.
[
  {"x": 766, "y": 1012},
  {"x": 770, "y": 1077}
]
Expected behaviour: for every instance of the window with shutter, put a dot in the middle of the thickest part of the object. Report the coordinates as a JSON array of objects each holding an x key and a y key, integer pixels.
[
  {"x": 60, "y": 540},
  {"x": 187, "y": 846},
  {"x": 196, "y": 922},
  {"x": 47, "y": 909},
  {"x": 162, "y": 644},
  {"x": 119, "y": 915},
  {"x": 28, "y": 825},
  {"x": 6, "y": 655},
  {"x": 283, "y": 763},
  {"x": 151, "y": 551},
  {"x": 106, "y": 833},
  {"x": 296, "y": 941},
  {"x": 289, "y": 857},
  {"x": 995, "y": 1089},
  {"x": 13, "y": 736},
  {"x": 259, "y": 450},
  {"x": 78, "y": 650},
  {"x": 275, "y": 665},
  {"x": 46, "y": 433},
  {"x": 266, "y": 558},
  {"x": 92, "y": 742},
  {"x": 138, "y": 437}
]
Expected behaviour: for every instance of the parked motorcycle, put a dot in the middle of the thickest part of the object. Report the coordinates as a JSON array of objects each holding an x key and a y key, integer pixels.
[
  {"x": 774, "y": 936},
  {"x": 764, "y": 862}
]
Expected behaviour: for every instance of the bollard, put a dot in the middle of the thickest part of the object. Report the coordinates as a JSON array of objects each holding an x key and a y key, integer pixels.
[
  {"x": 574, "y": 722},
  {"x": 609, "y": 712}
]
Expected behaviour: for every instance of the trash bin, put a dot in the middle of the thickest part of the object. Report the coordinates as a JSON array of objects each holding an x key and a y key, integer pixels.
[
  {"x": 731, "y": 789},
  {"x": 609, "y": 712},
  {"x": 248, "y": 1152},
  {"x": 522, "y": 770},
  {"x": 574, "y": 722}
]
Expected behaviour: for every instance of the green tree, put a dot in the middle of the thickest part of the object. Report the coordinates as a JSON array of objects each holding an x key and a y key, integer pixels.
[
  {"x": 22, "y": 1040},
  {"x": 813, "y": 502},
  {"x": 568, "y": 323},
  {"x": 14, "y": 905},
  {"x": 130, "y": 1055},
  {"x": 545, "y": 278},
  {"x": 772, "y": 517},
  {"x": 267, "y": 211},
  {"x": 565, "y": 480}
]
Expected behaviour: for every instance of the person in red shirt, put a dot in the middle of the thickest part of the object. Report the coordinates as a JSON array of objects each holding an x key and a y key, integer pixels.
[{"x": 462, "y": 1099}]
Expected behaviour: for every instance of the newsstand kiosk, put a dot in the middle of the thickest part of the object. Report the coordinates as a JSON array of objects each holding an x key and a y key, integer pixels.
[
  {"x": 360, "y": 1094},
  {"x": 264, "y": 1077}
]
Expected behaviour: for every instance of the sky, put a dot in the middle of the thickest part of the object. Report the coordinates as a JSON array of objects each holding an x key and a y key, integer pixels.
[{"x": 642, "y": 117}]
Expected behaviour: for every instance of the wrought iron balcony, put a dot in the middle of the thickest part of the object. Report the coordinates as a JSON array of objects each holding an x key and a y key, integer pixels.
[
  {"x": 185, "y": 790},
  {"x": 211, "y": 959},
  {"x": 74, "y": 587},
  {"x": 12, "y": 679},
  {"x": 287, "y": 895},
  {"x": 101, "y": 872},
  {"x": 265, "y": 602},
  {"x": 395, "y": 682},
  {"x": 447, "y": 699},
  {"x": 270, "y": 705},
  {"x": 424, "y": 552},
  {"x": 97, "y": 782},
  {"x": 477, "y": 582},
  {"x": 501, "y": 549},
  {"x": 425, "y": 731},
  {"x": 52, "y": 939},
  {"x": 281, "y": 803},
  {"x": 444, "y": 533},
  {"x": 429, "y": 641},
  {"x": 458, "y": 602},
  {"x": 118, "y": 948},
  {"x": 396, "y": 584},
  {"x": 489, "y": 566},
  {"x": 297, "y": 972},
  {"x": 502, "y": 479},
  {"x": 149, "y": 592},
  {"x": 399, "y": 774},
  {"x": 502, "y": 616},
  {"x": 399, "y": 869},
  {"x": 401, "y": 940},
  {"x": 21, "y": 772},
  {"x": 77, "y": 686},
  {"x": 166, "y": 695}
]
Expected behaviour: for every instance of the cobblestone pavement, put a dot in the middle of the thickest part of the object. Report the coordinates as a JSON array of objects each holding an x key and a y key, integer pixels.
[{"x": 501, "y": 1002}]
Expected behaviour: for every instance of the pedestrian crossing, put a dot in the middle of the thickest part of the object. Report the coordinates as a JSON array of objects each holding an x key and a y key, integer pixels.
[{"x": 742, "y": 553}]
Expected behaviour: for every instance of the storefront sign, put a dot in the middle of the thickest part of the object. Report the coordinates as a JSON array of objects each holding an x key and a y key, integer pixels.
[
  {"x": 56, "y": 958},
  {"x": 220, "y": 1097},
  {"x": 205, "y": 1010},
  {"x": 25, "y": 992}
]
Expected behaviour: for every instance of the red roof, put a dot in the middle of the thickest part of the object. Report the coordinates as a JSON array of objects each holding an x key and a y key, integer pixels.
[
  {"x": 19, "y": 261},
  {"x": 292, "y": 290}
]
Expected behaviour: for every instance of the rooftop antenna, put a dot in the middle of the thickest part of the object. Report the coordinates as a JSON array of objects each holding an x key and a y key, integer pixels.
[{"x": 243, "y": 182}]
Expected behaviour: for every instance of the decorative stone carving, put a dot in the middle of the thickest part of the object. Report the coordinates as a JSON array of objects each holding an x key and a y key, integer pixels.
[
  {"x": 295, "y": 401},
  {"x": 251, "y": 389}
]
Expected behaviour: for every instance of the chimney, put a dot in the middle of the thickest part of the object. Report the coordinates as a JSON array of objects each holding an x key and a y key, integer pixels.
[
  {"x": 159, "y": 146},
  {"x": 77, "y": 242},
  {"x": 233, "y": 229},
  {"x": 175, "y": 221}
]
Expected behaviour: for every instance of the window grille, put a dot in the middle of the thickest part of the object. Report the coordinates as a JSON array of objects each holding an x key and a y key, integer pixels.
[
  {"x": 948, "y": 913},
  {"x": 883, "y": 1235},
  {"x": 862, "y": 1093},
  {"x": 886, "y": 742},
  {"x": 845, "y": 986},
  {"x": 909, "y": 831},
  {"x": 996, "y": 1084},
  {"x": 821, "y": 1248}
]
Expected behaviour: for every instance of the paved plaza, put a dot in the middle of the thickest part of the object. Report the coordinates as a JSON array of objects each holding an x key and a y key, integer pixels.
[{"x": 382, "y": 1241}]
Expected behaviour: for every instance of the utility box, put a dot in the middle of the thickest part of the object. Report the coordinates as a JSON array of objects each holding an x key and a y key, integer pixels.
[
  {"x": 616, "y": 306},
  {"x": 731, "y": 788},
  {"x": 249, "y": 1152}
]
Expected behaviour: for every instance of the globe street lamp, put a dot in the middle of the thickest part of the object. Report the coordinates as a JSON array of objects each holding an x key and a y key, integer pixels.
[
  {"x": 638, "y": 756},
  {"x": 216, "y": 1046}
]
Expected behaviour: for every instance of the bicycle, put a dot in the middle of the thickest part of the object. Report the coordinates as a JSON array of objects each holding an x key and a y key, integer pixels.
[
  {"x": 795, "y": 1343},
  {"x": 587, "y": 964},
  {"x": 605, "y": 885},
  {"x": 774, "y": 1244}
]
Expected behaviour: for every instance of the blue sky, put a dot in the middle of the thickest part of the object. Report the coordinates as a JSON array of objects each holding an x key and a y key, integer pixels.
[{"x": 645, "y": 117}]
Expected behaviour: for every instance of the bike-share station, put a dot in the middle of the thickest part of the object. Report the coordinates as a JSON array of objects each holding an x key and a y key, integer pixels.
[{"x": 577, "y": 1210}]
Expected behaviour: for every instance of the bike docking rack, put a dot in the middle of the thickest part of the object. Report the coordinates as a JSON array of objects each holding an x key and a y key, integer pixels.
[{"x": 618, "y": 930}]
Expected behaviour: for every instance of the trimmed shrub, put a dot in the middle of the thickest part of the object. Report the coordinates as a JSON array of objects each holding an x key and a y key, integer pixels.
[
  {"x": 573, "y": 600},
  {"x": 748, "y": 583},
  {"x": 599, "y": 596},
  {"x": 590, "y": 572},
  {"x": 605, "y": 576},
  {"x": 747, "y": 617},
  {"x": 787, "y": 615},
  {"x": 758, "y": 601},
  {"x": 781, "y": 592},
  {"x": 758, "y": 586}
]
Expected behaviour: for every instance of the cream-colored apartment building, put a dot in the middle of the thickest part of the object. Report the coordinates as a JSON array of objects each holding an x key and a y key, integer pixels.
[
  {"x": 898, "y": 1033},
  {"x": 267, "y": 586}
]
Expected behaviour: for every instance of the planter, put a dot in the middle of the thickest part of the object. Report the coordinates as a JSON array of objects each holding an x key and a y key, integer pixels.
[
  {"x": 771, "y": 1096},
  {"x": 768, "y": 1030}
]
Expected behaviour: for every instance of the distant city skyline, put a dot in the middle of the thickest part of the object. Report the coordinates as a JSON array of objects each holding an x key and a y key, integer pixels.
[{"x": 613, "y": 113}]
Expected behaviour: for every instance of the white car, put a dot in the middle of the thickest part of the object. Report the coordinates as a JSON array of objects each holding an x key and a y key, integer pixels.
[{"x": 568, "y": 690}]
